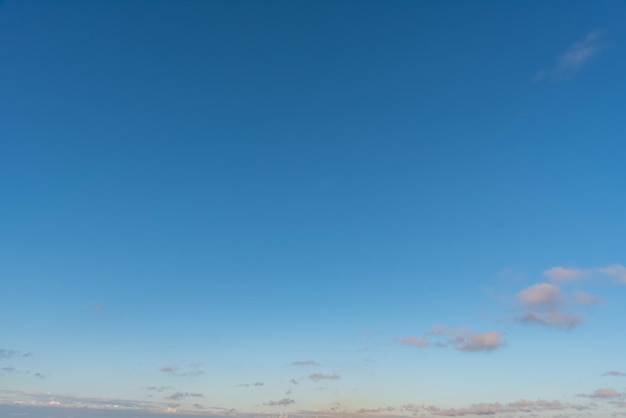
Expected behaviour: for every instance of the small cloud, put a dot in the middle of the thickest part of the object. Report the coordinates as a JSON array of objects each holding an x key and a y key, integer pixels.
[
  {"x": 173, "y": 371},
  {"x": 7, "y": 354},
  {"x": 39, "y": 375},
  {"x": 564, "y": 275},
  {"x": 158, "y": 388},
  {"x": 463, "y": 339},
  {"x": 541, "y": 295},
  {"x": 305, "y": 363},
  {"x": 282, "y": 402},
  {"x": 614, "y": 374},
  {"x": 181, "y": 395},
  {"x": 573, "y": 59},
  {"x": 293, "y": 381},
  {"x": 617, "y": 271},
  {"x": 8, "y": 369},
  {"x": 247, "y": 385},
  {"x": 606, "y": 393},
  {"x": 415, "y": 341},
  {"x": 541, "y": 304},
  {"x": 553, "y": 319},
  {"x": 585, "y": 298},
  {"x": 319, "y": 376}
]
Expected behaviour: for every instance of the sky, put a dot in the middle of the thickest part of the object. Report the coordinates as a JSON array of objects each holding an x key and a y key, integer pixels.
[{"x": 339, "y": 208}]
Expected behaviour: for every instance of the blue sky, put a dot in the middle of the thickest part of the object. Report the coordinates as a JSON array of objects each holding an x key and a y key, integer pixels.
[{"x": 341, "y": 208}]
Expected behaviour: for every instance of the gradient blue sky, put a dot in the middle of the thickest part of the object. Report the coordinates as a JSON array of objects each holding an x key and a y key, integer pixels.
[{"x": 325, "y": 207}]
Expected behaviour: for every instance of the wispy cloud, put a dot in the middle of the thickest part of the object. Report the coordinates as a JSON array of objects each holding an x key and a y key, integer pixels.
[
  {"x": 564, "y": 275},
  {"x": 7, "y": 354},
  {"x": 415, "y": 341},
  {"x": 305, "y": 363},
  {"x": 605, "y": 393},
  {"x": 282, "y": 402},
  {"x": 573, "y": 59},
  {"x": 319, "y": 376},
  {"x": 158, "y": 388},
  {"x": 617, "y": 271},
  {"x": 181, "y": 395},
  {"x": 615, "y": 373},
  {"x": 375, "y": 410},
  {"x": 584, "y": 298},
  {"x": 247, "y": 385},
  {"x": 174, "y": 371},
  {"x": 464, "y": 339}
]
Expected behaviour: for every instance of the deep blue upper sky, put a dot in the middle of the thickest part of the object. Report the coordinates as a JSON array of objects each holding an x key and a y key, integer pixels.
[{"x": 245, "y": 184}]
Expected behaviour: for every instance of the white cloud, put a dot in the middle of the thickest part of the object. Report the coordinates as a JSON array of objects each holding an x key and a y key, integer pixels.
[{"x": 573, "y": 59}]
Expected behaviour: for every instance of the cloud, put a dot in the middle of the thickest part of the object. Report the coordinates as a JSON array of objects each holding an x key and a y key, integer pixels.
[
  {"x": 564, "y": 275},
  {"x": 8, "y": 369},
  {"x": 305, "y": 363},
  {"x": 293, "y": 381},
  {"x": 39, "y": 375},
  {"x": 463, "y": 339},
  {"x": 173, "y": 371},
  {"x": 282, "y": 402},
  {"x": 541, "y": 295},
  {"x": 606, "y": 393},
  {"x": 181, "y": 395},
  {"x": 573, "y": 59},
  {"x": 541, "y": 304},
  {"x": 319, "y": 376},
  {"x": 615, "y": 270},
  {"x": 247, "y": 385},
  {"x": 553, "y": 319},
  {"x": 7, "y": 354},
  {"x": 158, "y": 388},
  {"x": 415, "y": 341},
  {"x": 614, "y": 373},
  {"x": 375, "y": 410},
  {"x": 584, "y": 298}
]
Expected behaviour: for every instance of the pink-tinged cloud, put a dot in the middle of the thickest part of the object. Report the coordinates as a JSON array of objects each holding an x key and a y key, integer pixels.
[
  {"x": 554, "y": 319},
  {"x": 541, "y": 295},
  {"x": 463, "y": 339},
  {"x": 564, "y": 275},
  {"x": 584, "y": 298},
  {"x": 305, "y": 363},
  {"x": 415, "y": 341},
  {"x": 319, "y": 376},
  {"x": 375, "y": 410},
  {"x": 605, "y": 393},
  {"x": 488, "y": 341},
  {"x": 617, "y": 271},
  {"x": 282, "y": 402},
  {"x": 614, "y": 373}
]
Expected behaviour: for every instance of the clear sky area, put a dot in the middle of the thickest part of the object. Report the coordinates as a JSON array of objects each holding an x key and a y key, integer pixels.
[{"x": 316, "y": 208}]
